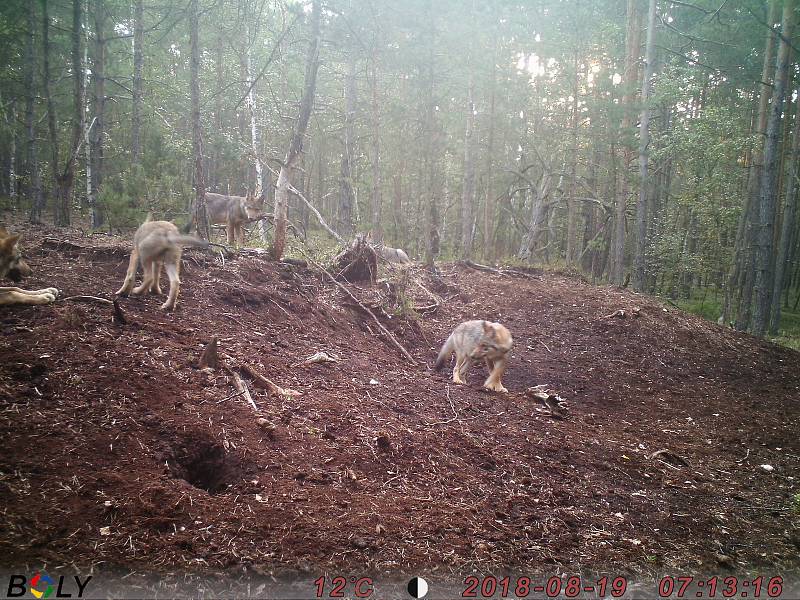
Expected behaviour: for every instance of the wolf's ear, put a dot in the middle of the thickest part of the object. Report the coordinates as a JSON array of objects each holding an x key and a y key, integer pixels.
[{"x": 487, "y": 328}]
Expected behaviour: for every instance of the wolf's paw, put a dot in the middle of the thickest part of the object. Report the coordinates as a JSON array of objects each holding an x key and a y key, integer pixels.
[
  {"x": 495, "y": 387},
  {"x": 167, "y": 306},
  {"x": 55, "y": 292},
  {"x": 45, "y": 298}
]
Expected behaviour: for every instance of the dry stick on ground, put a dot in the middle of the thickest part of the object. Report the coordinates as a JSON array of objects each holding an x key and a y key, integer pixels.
[
  {"x": 241, "y": 386},
  {"x": 368, "y": 311},
  {"x": 505, "y": 272},
  {"x": 119, "y": 316},
  {"x": 266, "y": 383}
]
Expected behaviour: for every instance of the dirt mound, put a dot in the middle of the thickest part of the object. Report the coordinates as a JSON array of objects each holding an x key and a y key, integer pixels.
[{"x": 118, "y": 449}]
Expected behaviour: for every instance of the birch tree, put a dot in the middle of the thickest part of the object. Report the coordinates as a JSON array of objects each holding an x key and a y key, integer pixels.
[{"x": 298, "y": 133}]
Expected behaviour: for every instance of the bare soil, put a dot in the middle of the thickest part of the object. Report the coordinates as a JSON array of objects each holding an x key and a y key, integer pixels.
[{"x": 118, "y": 452}]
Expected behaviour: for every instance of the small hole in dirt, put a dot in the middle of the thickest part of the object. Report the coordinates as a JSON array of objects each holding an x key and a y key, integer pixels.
[{"x": 205, "y": 465}]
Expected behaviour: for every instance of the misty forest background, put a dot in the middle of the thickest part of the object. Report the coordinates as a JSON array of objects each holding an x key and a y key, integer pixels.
[{"x": 641, "y": 142}]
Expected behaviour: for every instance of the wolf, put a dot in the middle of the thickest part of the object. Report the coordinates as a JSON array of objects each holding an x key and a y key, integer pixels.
[
  {"x": 475, "y": 340},
  {"x": 394, "y": 255},
  {"x": 234, "y": 212},
  {"x": 13, "y": 266},
  {"x": 390, "y": 255},
  {"x": 157, "y": 243}
]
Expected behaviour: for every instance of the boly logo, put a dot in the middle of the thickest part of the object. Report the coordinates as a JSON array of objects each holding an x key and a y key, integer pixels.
[
  {"x": 42, "y": 586},
  {"x": 35, "y": 584}
]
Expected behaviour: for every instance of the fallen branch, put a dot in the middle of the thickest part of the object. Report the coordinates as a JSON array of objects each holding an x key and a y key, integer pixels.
[
  {"x": 317, "y": 357},
  {"x": 90, "y": 299},
  {"x": 669, "y": 458},
  {"x": 503, "y": 272},
  {"x": 267, "y": 384},
  {"x": 118, "y": 316},
  {"x": 241, "y": 387},
  {"x": 368, "y": 311}
]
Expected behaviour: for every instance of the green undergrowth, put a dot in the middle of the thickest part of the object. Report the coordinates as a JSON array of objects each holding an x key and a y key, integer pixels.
[{"x": 709, "y": 306}]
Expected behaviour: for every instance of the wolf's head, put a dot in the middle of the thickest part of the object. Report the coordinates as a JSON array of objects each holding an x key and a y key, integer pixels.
[
  {"x": 495, "y": 342},
  {"x": 12, "y": 264},
  {"x": 254, "y": 205}
]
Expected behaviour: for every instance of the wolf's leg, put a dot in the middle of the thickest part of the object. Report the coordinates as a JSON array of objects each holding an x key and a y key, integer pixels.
[
  {"x": 465, "y": 365},
  {"x": 457, "y": 368},
  {"x": 173, "y": 272},
  {"x": 156, "y": 287},
  {"x": 493, "y": 382},
  {"x": 231, "y": 229},
  {"x": 20, "y": 296},
  {"x": 147, "y": 278},
  {"x": 53, "y": 291},
  {"x": 490, "y": 364},
  {"x": 130, "y": 276}
]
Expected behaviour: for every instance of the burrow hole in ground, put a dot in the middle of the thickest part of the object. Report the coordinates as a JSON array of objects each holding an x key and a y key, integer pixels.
[{"x": 205, "y": 464}]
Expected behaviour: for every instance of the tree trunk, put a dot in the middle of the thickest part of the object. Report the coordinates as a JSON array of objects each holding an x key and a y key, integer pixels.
[
  {"x": 633, "y": 40},
  {"x": 12, "y": 154},
  {"x": 138, "y": 66},
  {"x": 296, "y": 142},
  {"x": 64, "y": 180},
  {"x": 376, "y": 201},
  {"x": 34, "y": 191},
  {"x": 488, "y": 204},
  {"x": 97, "y": 130},
  {"x": 644, "y": 142},
  {"x": 740, "y": 283},
  {"x": 199, "y": 208},
  {"x": 346, "y": 192},
  {"x": 255, "y": 130},
  {"x": 572, "y": 206},
  {"x": 468, "y": 193},
  {"x": 764, "y": 274},
  {"x": 782, "y": 262},
  {"x": 431, "y": 221}
]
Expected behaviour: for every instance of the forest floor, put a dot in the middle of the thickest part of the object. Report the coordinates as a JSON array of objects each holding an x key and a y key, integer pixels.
[{"x": 120, "y": 455}]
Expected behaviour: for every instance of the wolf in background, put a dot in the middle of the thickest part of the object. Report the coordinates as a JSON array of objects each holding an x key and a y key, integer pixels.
[
  {"x": 478, "y": 340},
  {"x": 389, "y": 254},
  {"x": 13, "y": 266},
  {"x": 234, "y": 212},
  {"x": 157, "y": 244}
]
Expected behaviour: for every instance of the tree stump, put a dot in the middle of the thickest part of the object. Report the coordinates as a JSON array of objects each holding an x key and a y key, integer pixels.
[{"x": 357, "y": 263}]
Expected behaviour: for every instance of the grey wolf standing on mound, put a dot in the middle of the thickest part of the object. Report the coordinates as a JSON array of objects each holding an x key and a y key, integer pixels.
[
  {"x": 234, "y": 211},
  {"x": 475, "y": 340},
  {"x": 157, "y": 243},
  {"x": 15, "y": 268}
]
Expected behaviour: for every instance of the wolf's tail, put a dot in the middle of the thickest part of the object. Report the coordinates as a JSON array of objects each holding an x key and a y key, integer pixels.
[
  {"x": 444, "y": 354},
  {"x": 187, "y": 240}
]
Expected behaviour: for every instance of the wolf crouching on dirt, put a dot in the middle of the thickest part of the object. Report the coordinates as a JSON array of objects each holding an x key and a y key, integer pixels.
[
  {"x": 157, "y": 244},
  {"x": 475, "y": 340},
  {"x": 234, "y": 212},
  {"x": 13, "y": 266}
]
